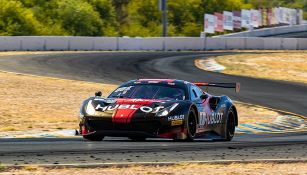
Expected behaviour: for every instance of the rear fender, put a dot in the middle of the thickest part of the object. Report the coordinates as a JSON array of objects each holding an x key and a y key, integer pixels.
[{"x": 227, "y": 104}]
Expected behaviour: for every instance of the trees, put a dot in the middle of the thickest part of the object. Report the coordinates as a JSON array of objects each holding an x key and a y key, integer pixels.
[
  {"x": 117, "y": 17},
  {"x": 79, "y": 18},
  {"x": 144, "y": 19},
  {"x": 17, "y": 20}
]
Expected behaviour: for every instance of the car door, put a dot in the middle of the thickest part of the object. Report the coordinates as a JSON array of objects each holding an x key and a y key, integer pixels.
[{"x": 196, "y": 94}]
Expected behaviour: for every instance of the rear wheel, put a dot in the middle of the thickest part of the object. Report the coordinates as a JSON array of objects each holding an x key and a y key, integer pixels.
[
  {"x": 93, "y": 137},
  {"x": 191, "y": 125},
  {"x": 138, "y": 139},
  {"x": 230, "y": 125}
]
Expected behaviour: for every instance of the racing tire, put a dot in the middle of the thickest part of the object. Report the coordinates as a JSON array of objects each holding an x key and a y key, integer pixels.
[
  {"x": 191, "y": 125},
  {"x": 93, "y": 137},
  {"x": 230, "y": 125},
  {"x": 137, "y": 139}
]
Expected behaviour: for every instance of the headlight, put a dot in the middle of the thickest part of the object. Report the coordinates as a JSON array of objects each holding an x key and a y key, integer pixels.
[
  {"x": 167, "y": 110},
  {"x": 90, "y": 108},
  {"x": 81, "y": 116}
]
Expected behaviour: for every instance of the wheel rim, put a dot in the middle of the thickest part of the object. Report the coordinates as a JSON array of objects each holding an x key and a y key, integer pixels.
[
  {"x": 231, "y": 124},
  {"x": 192, "y": 125}
]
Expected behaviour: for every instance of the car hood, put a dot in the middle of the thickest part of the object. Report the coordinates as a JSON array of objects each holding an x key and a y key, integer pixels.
[{"x": 122, "y": 110}]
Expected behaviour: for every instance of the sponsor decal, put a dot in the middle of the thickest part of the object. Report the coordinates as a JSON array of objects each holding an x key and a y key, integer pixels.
[
  {"x": 176, "y": 120},
  {"x": 145, "y": 109},
  {"x": 175, "y": 117},
  {"x": 206, "y": 119}
]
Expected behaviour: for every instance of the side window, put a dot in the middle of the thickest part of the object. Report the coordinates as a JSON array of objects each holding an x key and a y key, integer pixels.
[
  {"x": 195, "y": 92},
  {"x": 198, "y": 91}
]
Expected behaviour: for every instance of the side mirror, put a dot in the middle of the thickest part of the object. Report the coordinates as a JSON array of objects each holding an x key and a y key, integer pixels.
[
  {"x": 98, "y": 94},
  {"x": 204, "y": 96}
]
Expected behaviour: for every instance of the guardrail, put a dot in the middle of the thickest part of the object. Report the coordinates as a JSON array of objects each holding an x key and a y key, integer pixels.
[
  {"x": 70, "y": 43},
  {"x": 269, "y": 31}
]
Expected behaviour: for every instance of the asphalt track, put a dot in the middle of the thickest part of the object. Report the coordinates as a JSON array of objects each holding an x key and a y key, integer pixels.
[
  {"x": 117, "y": 67},
  {"x": 290, "y": 35}
]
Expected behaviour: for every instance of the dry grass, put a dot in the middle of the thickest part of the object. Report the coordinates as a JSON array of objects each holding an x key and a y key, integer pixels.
[
  {"x": 28, "y": 102},
  {"x": 47, "y": 104},
  {"x": 252, "y": 114},
  {"x": 180, "y": 169},
  {"x": 289, "y": 66}
]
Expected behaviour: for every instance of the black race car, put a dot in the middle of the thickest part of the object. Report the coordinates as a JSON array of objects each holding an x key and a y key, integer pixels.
[{"x": 162, "y": 108}]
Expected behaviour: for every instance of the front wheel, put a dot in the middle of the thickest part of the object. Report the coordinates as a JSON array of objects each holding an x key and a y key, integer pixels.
[
  {"x": 230, "y": 125},
  {"x": 191, "y": 125}
]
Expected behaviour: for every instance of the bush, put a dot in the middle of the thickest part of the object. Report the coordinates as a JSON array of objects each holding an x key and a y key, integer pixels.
[{"x": 16, "y": 20}]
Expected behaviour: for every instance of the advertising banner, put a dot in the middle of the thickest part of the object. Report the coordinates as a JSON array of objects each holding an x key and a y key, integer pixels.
[
  {"x": 237, "y": 19},
  {"x": 255, "y": 18},
  {"x": 260, "y": 17},
  {"x": 300, "y": 16},
  {"x": 219, "y": 22},
  {"x": 293, "y": 17},
  {"x": 285, "y": 15},
  {"x": 228, "y": 20},
  {"x": 270, "y": 16},
  {"x": 264, "y": 17},
  {"x": 275, "y": 16},
  {"x": 245, "y": 18},
  {"x": 209, "y": 23},
  {"x": 280, "y": 15}
]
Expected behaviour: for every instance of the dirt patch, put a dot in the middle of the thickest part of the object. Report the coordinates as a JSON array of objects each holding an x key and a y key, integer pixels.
[
  {"x": 180, "y": 169},
  {"x": 289, "y": 66}
]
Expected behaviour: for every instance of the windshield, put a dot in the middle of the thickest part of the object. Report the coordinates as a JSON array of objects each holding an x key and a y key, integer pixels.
[{"x": 149, "y": 91}]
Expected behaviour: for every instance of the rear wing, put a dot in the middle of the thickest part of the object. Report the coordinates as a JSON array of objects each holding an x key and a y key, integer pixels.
[{"x": 235, "y": 86}]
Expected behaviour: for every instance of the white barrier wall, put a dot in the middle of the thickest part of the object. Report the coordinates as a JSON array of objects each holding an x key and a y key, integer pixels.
[
  {"x": 152, "y": 43},
  {"x": 129, "y": 43},
  {"x": 272, "y": 43},
  {"x": 184, "y": 43},
  {"x": 302, "y": 44},
  {"x": 235, "y": 43},
  {"x": 34, "y": 43},
  {"x": 10, "y": 43},
  {"x": 105, "y": 43},
  {"x": 50, "y": 43},
  {"x": 79, "y": 43},
  {"x": 215, "y": 44},
  {"x": 56, "y": 43},
  {"x": 255, "y": 43},
  {"x": 289, "y": 44}
]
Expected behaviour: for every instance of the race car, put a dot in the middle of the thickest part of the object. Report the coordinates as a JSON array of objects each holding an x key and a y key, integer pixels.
[{"x": 160, "y": 108}]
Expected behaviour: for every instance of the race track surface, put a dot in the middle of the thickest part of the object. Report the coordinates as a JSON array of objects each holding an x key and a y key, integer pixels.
[
  {"x": 291, "y": 35},
  {"x": 120, "y": 150},
  {"x": 112, "y": 67}
]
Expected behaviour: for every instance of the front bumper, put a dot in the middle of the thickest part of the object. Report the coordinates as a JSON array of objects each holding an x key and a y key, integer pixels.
[{"x": 159, "y": 127}]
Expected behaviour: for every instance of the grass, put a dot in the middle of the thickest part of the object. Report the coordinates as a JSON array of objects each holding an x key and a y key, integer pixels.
[
  {"x": 288, "y": 66},
  {"x": 251, "y": 114},
  {"x": 28, "y": 102},
  {"x": 179, "y": 169}
]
